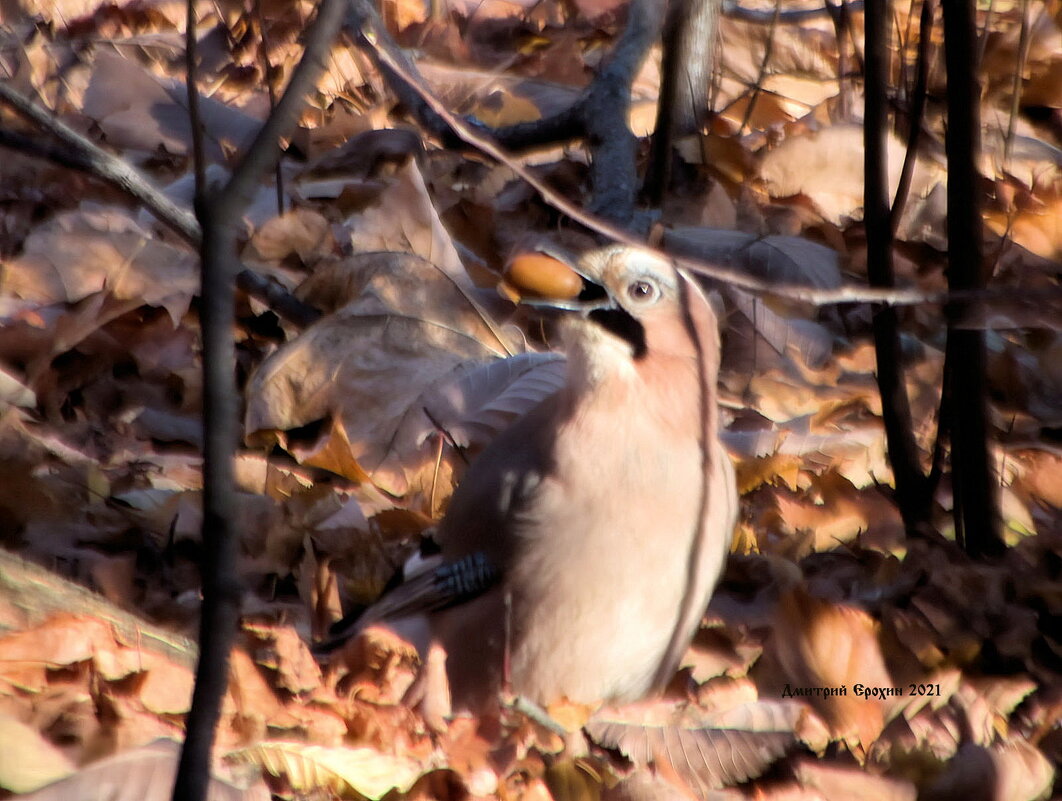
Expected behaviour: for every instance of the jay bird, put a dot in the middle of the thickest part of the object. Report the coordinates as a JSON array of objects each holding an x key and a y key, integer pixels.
[{"x": 580, "y": 550}]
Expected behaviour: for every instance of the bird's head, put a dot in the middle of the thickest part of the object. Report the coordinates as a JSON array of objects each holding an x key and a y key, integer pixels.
[{"x": 635, "y": 312}]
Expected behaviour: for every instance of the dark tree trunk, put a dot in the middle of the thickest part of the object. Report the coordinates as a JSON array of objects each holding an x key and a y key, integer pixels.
[{"x": 975, "y": 487}]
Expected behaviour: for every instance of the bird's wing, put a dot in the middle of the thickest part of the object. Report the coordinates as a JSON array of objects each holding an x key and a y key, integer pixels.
[
  {"x": 477, "y": 536},
  {"x": 439, "y": 585},
  {"x": 488, "y": 507}
]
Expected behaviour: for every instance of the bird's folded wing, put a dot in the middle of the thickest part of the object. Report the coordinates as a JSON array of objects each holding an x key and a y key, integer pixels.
[{"x": 438, "y": 585}]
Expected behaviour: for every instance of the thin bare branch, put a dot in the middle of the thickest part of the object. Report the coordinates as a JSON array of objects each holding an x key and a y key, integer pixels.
[
  {"x": 904, "y": 455},
  {"x": 738, "y": 278},
  {"x": 265, "y": 149},
  {"x": 191, "y": 83},
  {"x": 269, "y": 74},
  {"x": 1019, "y": 72},
  {"x": 74, "y": 151},
  {"x": 917, "y": 112},
  {"x": 88, "y": 157},
  {"x": 218, "y": 214}
]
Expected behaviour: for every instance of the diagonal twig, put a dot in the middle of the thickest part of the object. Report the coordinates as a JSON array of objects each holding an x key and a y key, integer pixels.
[
  {"x": 85, "y": 156},
  {"x": 738, "y": 278}
]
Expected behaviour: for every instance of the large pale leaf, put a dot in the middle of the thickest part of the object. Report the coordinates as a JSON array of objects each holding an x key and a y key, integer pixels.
[
  {"x": 349, "y": 772},
  {"x": 102, "y": 250},
  {"x": 403, "y": 218},
  {"x": 139, "y": 774},
  {"x": 827, "y": 166},
  {"x": 137, "y": 110},
  {"x": 27, "y": 760},
  {"x": 823, "y": 645},
  {"x": 704, "y": 755}
]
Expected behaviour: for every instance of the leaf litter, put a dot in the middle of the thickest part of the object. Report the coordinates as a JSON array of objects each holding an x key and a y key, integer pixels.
[{"x": 359, "y": 426}]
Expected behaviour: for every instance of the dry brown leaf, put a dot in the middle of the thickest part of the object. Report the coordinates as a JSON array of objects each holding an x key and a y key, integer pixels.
[
  {"x": 62, "y": 640},
  {"x": 63, "y": 12},
  {"x": 810, "y": 342},
  {"x": 1012, "y": 770},
  {"x": 842, "y": 515},
  {"x": 369, "y": 371},
  {"x": 140, "y": 111},
  {"x": 1041, "y": 475},
  {"x": 409, "y": 340},
  {"x": 713, "y": 653},
  {"x": 468, "y": 746},
  {"x": 403, "y": 283},
  {"x": 368, "y": 154},
  {"x": 166, "y": 688},
  {"x": 723, "y": 693},
  {"x": 827, "y": 167},
  {"x": 807, "y": 49},
  {"x": 775, "y": 469},
  {"x": 102, "y": 251},
  {"x": 332, "y": 451},
  {"x": 781, "y": 259},
  {"x": 13, "y": 392},
  {"x": 254, "y": 704},
  {"x": 487, "y": 94},
  {"x": 283, "y": 651},
  {"x": 403, "y": 219},
  {"x": 383, "y": 665},
  {"x": 300, "y": 232},
  {"x": 823, "y": 647},
  {"x": 1037, "y": 230}
]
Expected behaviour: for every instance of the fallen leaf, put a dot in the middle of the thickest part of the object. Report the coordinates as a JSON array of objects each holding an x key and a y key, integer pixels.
[{"x": 349, "y": 772}]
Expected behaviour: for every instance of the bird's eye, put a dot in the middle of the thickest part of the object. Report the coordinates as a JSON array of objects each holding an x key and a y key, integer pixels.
[{"x": 641, "y": 290}]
